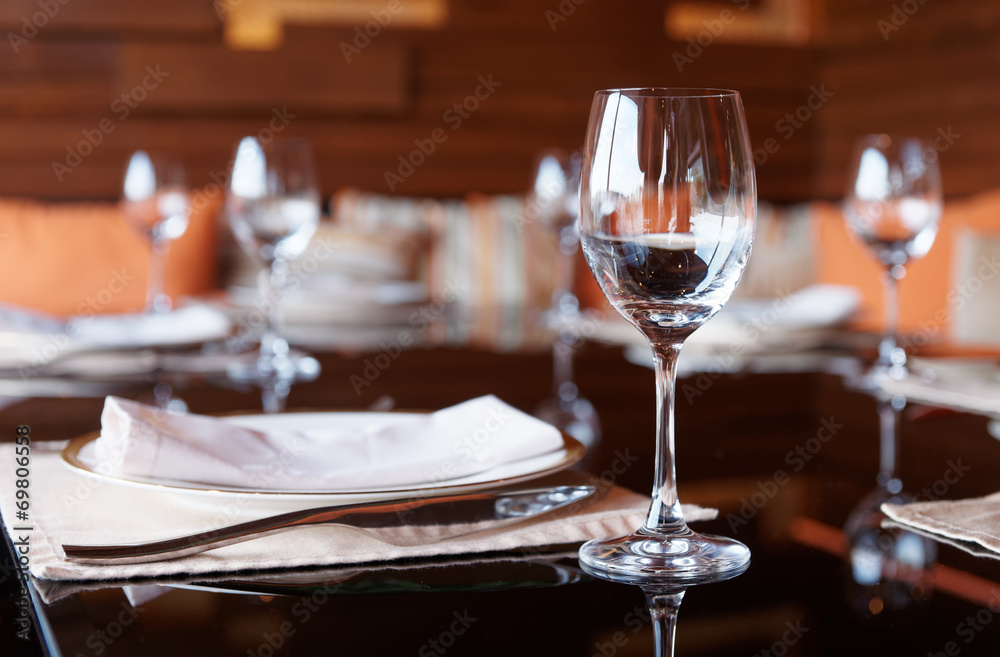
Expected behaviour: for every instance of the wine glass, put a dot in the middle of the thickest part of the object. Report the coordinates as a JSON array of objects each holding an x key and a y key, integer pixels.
[
  {"x": 893, "y": 205},
  {"x": 668, "y": 203},
  {"x": 556, "y": 195},
  {"x": 273, "y": 206},
  {"x": 890, "y": 568},
  {"x": 156, "y": 205}
]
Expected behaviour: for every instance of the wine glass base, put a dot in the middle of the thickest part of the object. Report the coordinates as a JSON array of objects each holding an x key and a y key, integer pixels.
[
  {"x": 683, "y": 559},
  {"x": 295, "y": 366}
]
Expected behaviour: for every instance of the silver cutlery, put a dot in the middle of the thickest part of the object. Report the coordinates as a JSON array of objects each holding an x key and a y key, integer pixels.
[{"x": 413, "y": 521}]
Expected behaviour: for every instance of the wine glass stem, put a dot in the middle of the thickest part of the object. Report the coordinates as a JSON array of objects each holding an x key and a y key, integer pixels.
[
  {"x": 562, "y": 367},
  {"x": 663, "y": 608},
  {"x": 156, "y": 300},
  {"x": 889, "y": 351},
  {"x": 888, "y": 442},
  {"x": 665, "y": 511},
  {"x": 273, "y": 284}
]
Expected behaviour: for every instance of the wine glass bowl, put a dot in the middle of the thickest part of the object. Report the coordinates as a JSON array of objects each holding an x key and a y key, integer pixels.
[
  {"x": 893, "y": 206},
  {"x": 273, "y": 204},
  {"x": 273, "y": 207},
  {"x": 155, "y": 204},
  {"x": 668, "y": 206}
]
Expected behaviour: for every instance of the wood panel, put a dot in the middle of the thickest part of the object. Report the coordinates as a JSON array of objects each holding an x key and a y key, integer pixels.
[
  {"x": 313, "y": 77},
  {"x": 363, "y": 115},
  {"x": 182, "y": 17},
  {"x": 940, "y": 71}
]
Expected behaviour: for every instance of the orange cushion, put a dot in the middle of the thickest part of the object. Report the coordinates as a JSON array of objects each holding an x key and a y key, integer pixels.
[
  {"x": 70, "y": 258},
  {"x": 924, "y": 305}
]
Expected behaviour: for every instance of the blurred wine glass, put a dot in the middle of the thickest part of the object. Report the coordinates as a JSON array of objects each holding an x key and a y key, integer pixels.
[
  {"x": 556, "y": 197},
  {"x": 156, "y": 204},
  {"x": 890, "y": 568},
  {"x": 893, "y": 205},
  {"x": 273, "y": 206}
]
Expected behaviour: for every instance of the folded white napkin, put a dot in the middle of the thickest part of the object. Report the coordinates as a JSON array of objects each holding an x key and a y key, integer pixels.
[
  {"x": 474, "y": 436},
  {"x": 975, "y": 520},
  {"x": 70, "y": 508}
]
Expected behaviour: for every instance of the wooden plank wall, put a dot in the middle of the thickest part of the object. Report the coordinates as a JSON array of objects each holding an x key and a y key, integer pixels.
[
  {"x": 913, "y": 67},
  {"x": 361, "y": 116}
]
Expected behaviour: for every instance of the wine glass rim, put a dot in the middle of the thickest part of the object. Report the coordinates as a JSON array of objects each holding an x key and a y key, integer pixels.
[{"x": 670, "y": 92}]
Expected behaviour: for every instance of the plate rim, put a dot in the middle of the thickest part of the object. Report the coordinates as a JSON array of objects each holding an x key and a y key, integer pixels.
[{"x": 70, "y": 457}]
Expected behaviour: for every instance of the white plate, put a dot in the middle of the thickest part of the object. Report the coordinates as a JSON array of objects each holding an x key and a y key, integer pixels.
[
  {"x": 192, "y": 324},
  {"x": 246, "y": 503}
]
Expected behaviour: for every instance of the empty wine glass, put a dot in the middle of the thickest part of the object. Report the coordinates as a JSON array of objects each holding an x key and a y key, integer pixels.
[
  {"x": 273, "y": 206},
  {"x": 156, "y": 205},
  {"x": 668, "y": 205},
  {"x": 893, "y": 205},
  {"x": 890, "y": 568},
  {"x": 556, "y": 195}
]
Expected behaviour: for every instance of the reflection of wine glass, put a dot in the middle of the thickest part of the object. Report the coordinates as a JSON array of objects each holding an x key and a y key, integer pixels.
[
  {"x": 890, "y": 568},
  {"x": 273, "y": 209},
  {"x": 668, "y": 202},
  {"x": 556, "y": 194},
  {"x": 156, "y": 204},
  {"x": 893, "y": 205}
]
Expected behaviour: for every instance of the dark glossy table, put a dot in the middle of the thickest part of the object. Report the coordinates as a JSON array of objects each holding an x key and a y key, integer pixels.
[{"x": 733, "y": 441}]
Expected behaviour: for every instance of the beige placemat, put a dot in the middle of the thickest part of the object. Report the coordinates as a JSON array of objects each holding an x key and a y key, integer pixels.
[
  {"x": 975, "y": 520},
  {"x": 71, "y": 508}
]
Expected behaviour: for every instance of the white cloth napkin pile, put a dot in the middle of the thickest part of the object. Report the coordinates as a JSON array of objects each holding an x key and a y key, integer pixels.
[{"x": 471, "y": 437}]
